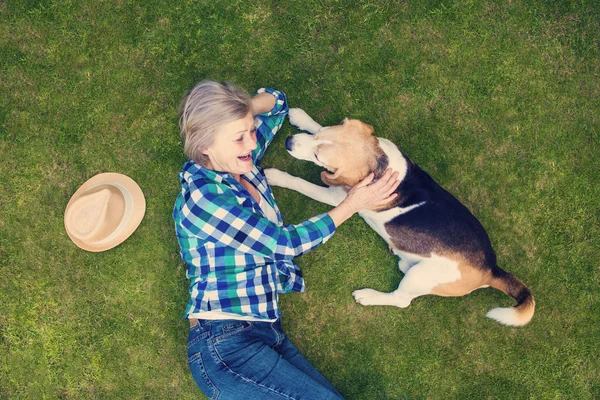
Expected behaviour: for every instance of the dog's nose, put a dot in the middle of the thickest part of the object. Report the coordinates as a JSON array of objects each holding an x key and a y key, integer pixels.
[{"x": 288, "y": 143}]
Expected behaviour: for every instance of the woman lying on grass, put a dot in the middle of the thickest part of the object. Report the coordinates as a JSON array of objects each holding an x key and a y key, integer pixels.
[{"x": 238, "y": 252}]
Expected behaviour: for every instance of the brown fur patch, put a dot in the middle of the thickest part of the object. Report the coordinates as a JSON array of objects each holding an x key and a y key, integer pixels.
[
  {"x": 471, "y": 277},
  {"x": 352, "y": 154}
]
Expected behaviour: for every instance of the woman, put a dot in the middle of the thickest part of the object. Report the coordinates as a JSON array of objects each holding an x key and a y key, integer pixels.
[{"x": 238, "y": 252}]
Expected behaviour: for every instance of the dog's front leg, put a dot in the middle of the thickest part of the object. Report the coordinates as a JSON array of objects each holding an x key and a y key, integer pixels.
[
  {"x": 301, "y": 120},
  {"x": 329, "y": 195}
]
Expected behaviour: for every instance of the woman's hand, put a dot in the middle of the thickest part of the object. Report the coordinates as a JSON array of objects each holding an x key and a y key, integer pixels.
[{"x": 366, "y": 195}]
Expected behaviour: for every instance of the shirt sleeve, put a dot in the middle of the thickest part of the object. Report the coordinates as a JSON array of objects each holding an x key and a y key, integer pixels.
[
  {"x": 215, "y": 216},
  {"x": 267, "y": 124}
]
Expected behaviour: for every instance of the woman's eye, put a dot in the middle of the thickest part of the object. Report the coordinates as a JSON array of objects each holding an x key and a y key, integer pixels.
[{"x": 239, "y": 139}]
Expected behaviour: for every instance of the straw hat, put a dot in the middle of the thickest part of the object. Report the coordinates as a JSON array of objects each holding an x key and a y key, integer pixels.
[{"x": 104, "y": 211}]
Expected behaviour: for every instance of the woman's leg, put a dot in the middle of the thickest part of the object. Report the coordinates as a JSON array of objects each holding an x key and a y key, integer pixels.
[
  {"x": 291, "y": 354},
  {"x": 236, "y": 360}
]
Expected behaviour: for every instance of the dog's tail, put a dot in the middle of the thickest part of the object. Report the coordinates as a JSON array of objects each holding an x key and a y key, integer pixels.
[{"x": 522, "y": 313}]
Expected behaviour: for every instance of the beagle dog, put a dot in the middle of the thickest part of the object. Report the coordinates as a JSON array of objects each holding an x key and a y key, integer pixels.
[{"x": 443, "y": 248}]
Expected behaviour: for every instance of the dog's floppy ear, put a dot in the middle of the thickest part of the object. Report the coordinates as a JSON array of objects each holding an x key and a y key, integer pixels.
[
  {"x": 368, "y": 130},
  {"x": 348, "y": 178},
  {"x": 332, "y": 179}
]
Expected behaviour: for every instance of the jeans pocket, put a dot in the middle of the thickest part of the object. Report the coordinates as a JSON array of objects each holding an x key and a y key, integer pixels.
[
  {"x": 235, "y": 344},
  {"x": 201, "y": 377},
  {"x": 230, "y": 329}
]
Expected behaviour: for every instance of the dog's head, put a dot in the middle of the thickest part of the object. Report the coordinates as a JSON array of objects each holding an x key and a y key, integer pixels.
[{"x": 349, "y": 151}]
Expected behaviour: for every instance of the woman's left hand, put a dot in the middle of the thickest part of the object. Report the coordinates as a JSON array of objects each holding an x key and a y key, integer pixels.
[{"x": 366, "y": 195}]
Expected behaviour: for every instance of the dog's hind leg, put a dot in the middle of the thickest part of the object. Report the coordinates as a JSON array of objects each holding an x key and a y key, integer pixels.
[
  {"x": 301, "y": 120},
  {"x": 419, "y": 280},
  {"x": 407, "y": 260},
  {"x": 404, "y": 265}
]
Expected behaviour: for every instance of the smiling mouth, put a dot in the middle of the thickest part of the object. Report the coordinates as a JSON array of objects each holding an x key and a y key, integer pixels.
[{"x": 246, "y": 157}]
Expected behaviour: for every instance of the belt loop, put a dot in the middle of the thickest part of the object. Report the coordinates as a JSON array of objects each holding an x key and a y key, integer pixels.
[{"x": 279, "y": 335}]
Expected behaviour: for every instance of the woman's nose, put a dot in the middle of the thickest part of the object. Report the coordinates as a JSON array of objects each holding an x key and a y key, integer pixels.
[{"x": 252, "y": 143}]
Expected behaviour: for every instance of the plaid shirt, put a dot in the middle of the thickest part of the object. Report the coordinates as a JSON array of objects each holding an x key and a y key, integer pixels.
[{"x": 237, "y": 259}]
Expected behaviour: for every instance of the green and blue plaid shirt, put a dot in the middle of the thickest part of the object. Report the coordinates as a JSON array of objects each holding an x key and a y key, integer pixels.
[{"x": 237, "y": 259}]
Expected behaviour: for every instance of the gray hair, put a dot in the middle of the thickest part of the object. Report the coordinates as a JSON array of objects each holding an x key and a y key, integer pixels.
[{"x": 206, "y": 107}]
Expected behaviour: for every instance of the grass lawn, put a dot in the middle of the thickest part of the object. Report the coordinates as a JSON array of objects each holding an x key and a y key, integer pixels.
[{"x": 498, "y": 101}]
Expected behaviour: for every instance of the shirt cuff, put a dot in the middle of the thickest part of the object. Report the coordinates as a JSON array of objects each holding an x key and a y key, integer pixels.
[
  {"x": 324, "y": 223},
  {"x": 281, "y": 105}
]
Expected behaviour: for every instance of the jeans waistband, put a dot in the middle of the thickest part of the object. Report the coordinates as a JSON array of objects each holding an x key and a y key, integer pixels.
[{"x": 196, "y": 321}]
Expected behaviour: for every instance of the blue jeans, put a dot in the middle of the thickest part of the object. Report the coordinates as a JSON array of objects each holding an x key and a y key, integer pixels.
[{"x": 249, "y": 360}]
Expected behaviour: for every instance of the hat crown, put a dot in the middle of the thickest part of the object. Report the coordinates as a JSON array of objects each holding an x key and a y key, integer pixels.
[
  {"x": 87, "y": 214},
  {"x": 98, "y": 214}
]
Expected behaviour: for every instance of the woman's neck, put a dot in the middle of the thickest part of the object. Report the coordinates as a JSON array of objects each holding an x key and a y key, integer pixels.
[{"x": 237, "y": 177}]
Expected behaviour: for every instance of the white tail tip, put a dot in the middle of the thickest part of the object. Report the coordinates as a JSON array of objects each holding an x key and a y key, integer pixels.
[{"x": 507, "y": 316}]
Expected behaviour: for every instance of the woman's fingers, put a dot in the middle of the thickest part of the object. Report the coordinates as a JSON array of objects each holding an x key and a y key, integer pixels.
[
  {"x": 368, "y": 194},
  {"x": 390, "y": 198},
  {"x": 368, "y": 179},
  {"x": 388, "y": 181},
  {"x": 393, "y": 183}
]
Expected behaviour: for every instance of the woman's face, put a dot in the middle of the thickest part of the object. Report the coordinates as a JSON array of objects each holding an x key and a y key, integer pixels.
[{"x": 232, "y": 148}]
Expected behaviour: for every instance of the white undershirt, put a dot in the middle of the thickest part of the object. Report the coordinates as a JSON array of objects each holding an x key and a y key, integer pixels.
[
  {"x": 271, "y": 215},
  {"x": 267, "y": 209}
]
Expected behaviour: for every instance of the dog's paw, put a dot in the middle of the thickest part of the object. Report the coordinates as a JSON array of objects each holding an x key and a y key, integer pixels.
[
  {"x": 276, "y": 177},
  {"x": 367, "y": 297},
  {"x": 370, "y": 297},
  {"x": 301, "y": 120}
]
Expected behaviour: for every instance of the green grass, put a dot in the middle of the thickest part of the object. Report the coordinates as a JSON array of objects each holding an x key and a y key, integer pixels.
[{"x": 499, "y": 101}]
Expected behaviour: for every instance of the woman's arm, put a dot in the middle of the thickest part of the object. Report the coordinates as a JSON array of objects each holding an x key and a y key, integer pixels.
[
  {"x": 270, "y": 109},
  {"x": 213, "y": 212},
  {"x": 262, "y": 103}
]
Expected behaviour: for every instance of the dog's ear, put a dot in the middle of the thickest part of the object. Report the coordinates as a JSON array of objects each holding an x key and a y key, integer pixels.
[
  {"x": 368, "y": 130},
  {"x": 332, "y": 179},
  {"x": 347, "y": 178}
]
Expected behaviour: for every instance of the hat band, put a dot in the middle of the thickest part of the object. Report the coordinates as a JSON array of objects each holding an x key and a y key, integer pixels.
[{"x": 126, "y": 216}]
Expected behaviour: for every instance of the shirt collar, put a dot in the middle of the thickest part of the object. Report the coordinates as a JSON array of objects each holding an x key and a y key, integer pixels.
[{"x": 191, "y": 170}]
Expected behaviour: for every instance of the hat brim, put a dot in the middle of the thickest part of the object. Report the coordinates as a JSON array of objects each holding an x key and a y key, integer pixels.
[{"x": 138, "y": 210}]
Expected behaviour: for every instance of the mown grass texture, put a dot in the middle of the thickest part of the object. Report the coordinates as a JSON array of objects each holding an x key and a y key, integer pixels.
[{"x": 498, "y": 101}]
